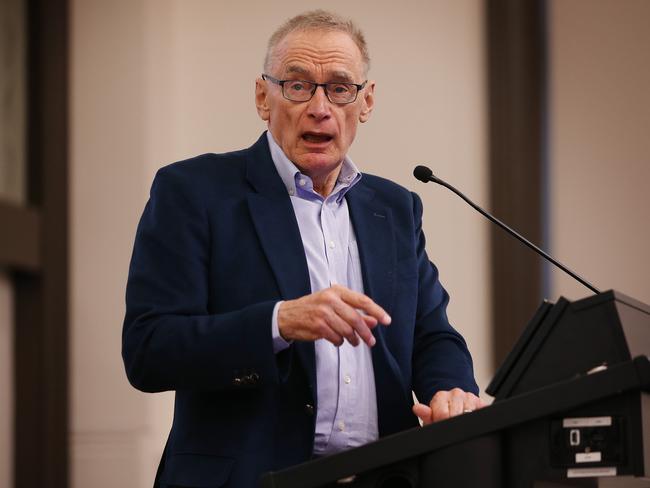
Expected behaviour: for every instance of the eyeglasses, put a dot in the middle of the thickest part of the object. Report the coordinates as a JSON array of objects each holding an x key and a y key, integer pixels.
[{"x": 303, "y": 91}]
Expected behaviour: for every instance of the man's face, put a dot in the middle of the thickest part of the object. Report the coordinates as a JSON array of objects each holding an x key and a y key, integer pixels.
[{"x": 316, "y": 134}]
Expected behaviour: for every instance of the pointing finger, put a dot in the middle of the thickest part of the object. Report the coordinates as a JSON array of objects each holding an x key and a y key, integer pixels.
[{"x": 363, "y": 302}]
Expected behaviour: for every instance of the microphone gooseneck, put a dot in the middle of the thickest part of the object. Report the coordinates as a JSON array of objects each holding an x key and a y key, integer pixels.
[{"x": 425, "y": 175}]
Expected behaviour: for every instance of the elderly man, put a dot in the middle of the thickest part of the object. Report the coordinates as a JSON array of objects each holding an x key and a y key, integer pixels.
[{"x": 287, "y": 298}]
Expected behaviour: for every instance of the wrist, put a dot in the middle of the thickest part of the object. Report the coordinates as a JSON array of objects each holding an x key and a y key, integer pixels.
[{"x": 279, "y": 341}]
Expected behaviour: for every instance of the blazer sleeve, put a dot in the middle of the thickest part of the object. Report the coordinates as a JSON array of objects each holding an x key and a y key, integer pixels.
[
  {"x": 441, "y": 360},
  {"x": 170, "y": 341}
]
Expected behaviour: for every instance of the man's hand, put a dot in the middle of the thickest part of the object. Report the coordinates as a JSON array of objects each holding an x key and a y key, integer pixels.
[
  {"x": 335, "y": 314},
  {"x": 445, "y": 404}
]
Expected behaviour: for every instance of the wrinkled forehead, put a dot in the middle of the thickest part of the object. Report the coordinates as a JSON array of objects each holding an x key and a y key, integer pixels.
[{"x": 318, "y": 52}]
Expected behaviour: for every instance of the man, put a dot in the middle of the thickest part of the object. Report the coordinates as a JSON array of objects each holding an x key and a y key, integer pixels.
[{"x": 286, "y": 298}]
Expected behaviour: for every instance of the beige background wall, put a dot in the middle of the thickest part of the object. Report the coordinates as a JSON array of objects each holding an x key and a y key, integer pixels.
[
  {"x": 599, "y": 144},
  {"x": 155, "y": 81}
]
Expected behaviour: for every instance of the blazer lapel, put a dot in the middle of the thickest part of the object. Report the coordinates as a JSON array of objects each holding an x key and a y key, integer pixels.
[
  {"x": 374, "y": 228},
  {"x": 276, "y": 226},
  {"x": 278, "y": 231}
]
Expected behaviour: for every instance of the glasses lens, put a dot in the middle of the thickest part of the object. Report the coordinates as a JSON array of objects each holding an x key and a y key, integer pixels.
[
  {"x": 298, "y": 91},
  {"x": 341, "y": 92}
]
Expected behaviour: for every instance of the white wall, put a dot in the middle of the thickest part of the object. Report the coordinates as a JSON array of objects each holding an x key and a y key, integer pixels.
[
  {"x": 600, "y": 149},
  {"x": 155, "y": 81}
]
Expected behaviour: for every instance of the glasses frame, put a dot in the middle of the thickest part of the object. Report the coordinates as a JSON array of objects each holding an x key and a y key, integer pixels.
[{"x": 358, "y": 86}]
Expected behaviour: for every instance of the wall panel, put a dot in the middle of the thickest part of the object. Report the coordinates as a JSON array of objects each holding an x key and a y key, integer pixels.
[{"x": 600, "y": 151}]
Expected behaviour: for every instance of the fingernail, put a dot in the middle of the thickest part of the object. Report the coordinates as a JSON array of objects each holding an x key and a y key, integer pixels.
[
  {"x": 386, "y": 319},
  {"x": 373, "y": 341}
]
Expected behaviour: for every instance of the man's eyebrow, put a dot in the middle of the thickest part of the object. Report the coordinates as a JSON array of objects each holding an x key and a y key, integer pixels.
[
  {"x": 341, "y": 76},
  {"x": 292, "y": 68}
]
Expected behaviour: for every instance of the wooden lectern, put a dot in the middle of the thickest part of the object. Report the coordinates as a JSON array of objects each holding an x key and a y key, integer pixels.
[{"x": 572, "y": 408}]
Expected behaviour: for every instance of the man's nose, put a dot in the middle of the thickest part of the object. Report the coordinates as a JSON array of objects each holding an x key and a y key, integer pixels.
[{"x": 319, "y": 105}]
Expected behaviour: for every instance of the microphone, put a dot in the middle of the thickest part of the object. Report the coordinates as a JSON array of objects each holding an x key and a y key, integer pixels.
[{"x": 425, "y": 175}]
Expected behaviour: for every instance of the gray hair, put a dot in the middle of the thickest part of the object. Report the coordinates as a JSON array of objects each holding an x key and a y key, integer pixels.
[{"x": 318, "y": 19}]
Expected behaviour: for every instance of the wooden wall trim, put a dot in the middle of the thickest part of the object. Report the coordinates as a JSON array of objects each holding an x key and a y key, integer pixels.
[
  {"x": 516, "y": 97},
  {"x": 19, "y": 246},
  {"x": 41, "y": 299}
]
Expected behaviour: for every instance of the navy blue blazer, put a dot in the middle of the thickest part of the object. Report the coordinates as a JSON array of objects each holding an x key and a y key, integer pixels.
[{"x": 217, "y": 246}]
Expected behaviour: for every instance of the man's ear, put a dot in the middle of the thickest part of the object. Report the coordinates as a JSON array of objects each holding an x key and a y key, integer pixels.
[
  {"x": 261, "y": 99},
  {"x": 368, "y": 101}
]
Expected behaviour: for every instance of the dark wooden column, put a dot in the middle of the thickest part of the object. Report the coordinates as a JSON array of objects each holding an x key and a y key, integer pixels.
[
  {"x": 516, "y": 31},
  {"x": 40, "y": 280}
]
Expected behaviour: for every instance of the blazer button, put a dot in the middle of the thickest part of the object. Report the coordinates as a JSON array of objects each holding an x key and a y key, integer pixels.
[
  {"x": 309, "y": 408},
  {"x": 236, "y": 381}
]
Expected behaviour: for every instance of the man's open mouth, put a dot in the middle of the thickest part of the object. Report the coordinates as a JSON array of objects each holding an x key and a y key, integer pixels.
[{"x": 316, "y": 138}]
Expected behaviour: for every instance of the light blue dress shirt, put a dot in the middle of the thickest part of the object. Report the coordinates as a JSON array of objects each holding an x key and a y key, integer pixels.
[{"x": 347, "y": 403}]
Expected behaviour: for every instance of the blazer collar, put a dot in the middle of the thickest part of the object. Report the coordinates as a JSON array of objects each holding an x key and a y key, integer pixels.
[
  {"x": 275, "y": 222},
  {"x": 261, "y": 172}
]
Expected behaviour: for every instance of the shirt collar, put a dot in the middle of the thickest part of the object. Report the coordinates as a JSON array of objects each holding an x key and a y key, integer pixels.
[{"x": 289, "y": 172}]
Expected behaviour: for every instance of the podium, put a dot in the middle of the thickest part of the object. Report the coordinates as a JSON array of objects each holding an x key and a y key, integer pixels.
[{"x": 572, "y": 408}]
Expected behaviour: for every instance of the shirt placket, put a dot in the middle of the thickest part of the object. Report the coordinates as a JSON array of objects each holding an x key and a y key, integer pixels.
[
  {"x": 335, "y": 239},
  {"x": 346, "y": 394}
]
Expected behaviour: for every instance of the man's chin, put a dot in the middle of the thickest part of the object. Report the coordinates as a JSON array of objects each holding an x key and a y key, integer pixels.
[{"x": 317, "y": 162}]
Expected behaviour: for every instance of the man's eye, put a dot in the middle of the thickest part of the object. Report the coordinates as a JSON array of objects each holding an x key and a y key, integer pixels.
[
  {"x": 340, "y": 88},
  {"x": 297, "y": 86}
]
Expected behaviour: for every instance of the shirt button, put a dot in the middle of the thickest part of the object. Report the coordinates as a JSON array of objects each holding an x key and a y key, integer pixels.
[
  {"x": 291, "y": 192},
  {"x": 341, "y": 426},
  {"x": 347, "y": 379},
  {"x": 302, "y": 182},
  {"x": 332, "y": 245}
]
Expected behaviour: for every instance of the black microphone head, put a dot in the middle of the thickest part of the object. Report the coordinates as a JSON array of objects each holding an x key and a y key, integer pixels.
[{"x": 423, "y": 173}]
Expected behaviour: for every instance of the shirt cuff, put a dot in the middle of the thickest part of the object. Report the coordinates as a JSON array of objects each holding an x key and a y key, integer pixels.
[{"x": 279, "y": 344}]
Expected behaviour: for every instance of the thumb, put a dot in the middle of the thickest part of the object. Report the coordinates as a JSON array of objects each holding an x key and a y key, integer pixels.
[{"x": 423, "y": 412}]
